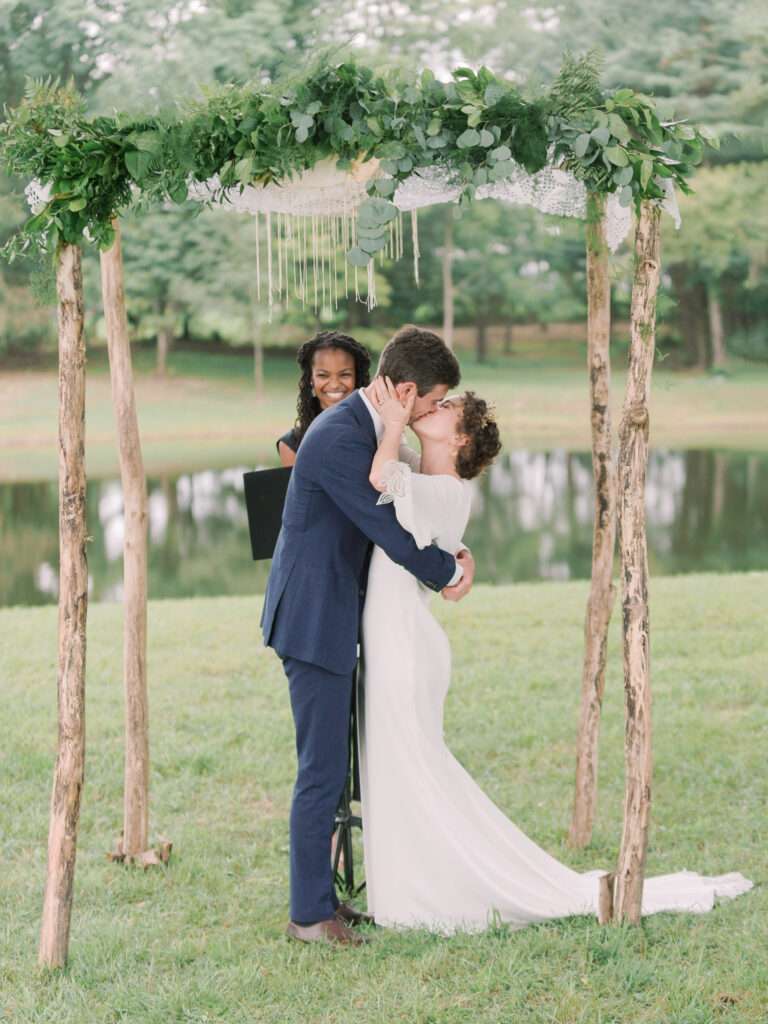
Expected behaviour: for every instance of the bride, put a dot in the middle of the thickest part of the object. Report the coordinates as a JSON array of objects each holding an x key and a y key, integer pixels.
[{"x": 439, "y": 854}]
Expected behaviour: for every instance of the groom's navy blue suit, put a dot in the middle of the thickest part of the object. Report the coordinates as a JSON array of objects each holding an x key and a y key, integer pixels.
[{"x": 311, "y": 617}]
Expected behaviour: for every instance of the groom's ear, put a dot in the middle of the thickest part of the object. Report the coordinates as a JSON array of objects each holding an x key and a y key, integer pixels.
[{"x": 406, "y": 390}]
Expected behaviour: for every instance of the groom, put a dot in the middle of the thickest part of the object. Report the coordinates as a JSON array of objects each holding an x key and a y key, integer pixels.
[{"x": 315, "y": 596}]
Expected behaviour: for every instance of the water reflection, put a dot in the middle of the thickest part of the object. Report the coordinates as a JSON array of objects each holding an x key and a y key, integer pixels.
[{"x": 531, "y": 519}]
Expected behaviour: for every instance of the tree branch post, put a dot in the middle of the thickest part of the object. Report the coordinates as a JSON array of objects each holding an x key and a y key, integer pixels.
[
  {"x": 633, "y": 461},
  {"x": 602, "y": 591},
  {"x": 136, "y": 767},
  {"x": 69, "y": 773}
]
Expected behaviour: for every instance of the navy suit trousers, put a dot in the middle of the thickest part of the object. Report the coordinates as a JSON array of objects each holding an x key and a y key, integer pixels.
[{"x": 321, "y": 702}]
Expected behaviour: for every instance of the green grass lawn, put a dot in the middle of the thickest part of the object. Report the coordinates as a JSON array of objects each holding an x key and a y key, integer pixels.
[
  {"x": 205, "y": 414},
  {"x": 202, "y": 940}
]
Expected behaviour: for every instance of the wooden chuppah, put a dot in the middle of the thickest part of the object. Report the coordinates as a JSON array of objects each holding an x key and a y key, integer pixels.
[{"x": 467, "y": 130}]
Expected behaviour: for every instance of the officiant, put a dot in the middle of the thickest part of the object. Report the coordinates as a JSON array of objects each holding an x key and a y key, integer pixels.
[{"x": 333, "y": 365}]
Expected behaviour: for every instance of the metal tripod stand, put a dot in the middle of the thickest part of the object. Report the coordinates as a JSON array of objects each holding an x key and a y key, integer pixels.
[{"x": 345, "y": 820}]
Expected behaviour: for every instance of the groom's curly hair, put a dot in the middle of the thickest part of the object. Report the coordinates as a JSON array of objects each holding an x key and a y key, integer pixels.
[
  {"x": 478, "y": 424},
  {"x": 419, "y": 356}
]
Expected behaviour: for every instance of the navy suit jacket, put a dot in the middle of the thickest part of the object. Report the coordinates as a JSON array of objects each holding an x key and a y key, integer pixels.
[{"x": 319, "y": 570}]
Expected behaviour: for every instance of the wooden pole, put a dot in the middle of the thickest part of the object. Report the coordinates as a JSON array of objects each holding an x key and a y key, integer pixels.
[
  {"x": 633, "y": 461},
  {"x": 136, "y": 767},
  {"x": 69, "y": 773},
  {"x": 602, "y": 592}
]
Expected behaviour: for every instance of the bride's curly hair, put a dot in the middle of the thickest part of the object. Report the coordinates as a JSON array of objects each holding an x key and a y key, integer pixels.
[
  {"x": 478, "y": 424},
  {"x": 307, "y": 406}
]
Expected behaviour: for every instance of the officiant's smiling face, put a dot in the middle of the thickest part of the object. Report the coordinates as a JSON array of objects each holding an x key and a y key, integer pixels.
[{"x": 333, "y": 376}]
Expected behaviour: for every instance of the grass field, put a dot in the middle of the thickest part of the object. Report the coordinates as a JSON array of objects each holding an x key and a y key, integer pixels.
[
  {"x": 202, "y": 941},
  {"x": 205, "y": 414}
]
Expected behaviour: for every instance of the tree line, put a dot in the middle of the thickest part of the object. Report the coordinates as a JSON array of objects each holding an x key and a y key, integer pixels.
[{"x": 191, "y": 276}]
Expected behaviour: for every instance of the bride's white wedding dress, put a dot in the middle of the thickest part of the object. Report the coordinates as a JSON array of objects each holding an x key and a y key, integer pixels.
[{"x": 438, "y": 852}]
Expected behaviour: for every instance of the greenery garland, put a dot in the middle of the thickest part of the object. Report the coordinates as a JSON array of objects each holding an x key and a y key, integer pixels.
[{"x": 476, "y": 127}]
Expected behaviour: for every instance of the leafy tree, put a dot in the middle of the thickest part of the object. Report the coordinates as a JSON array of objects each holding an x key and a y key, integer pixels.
[{"x": 719, "y": 262}]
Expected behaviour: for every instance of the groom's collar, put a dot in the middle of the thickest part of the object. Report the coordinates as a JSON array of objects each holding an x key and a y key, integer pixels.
[{"x": 378, "y": 422}]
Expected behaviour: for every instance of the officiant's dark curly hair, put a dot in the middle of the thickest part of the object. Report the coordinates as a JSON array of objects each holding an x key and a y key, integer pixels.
[
  {"x": 307, "y": 406},
  {"x": 480, "y": 427}
]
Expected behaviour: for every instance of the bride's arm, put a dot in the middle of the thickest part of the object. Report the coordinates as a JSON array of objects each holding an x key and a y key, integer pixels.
[{"x": 395, "y": 417}]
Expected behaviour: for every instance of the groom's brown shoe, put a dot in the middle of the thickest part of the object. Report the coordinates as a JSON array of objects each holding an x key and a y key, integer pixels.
[
  {"x": 351, "y": 916},
  {"x": 334, "y": 931}
]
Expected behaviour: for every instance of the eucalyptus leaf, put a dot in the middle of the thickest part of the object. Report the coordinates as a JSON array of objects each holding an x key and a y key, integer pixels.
[
  {"x": 581, "y": 145},
  {"x": 617, "y": 156},
  {"x": 601, "y": 135},
  {"x": 625, "y": 196},
  {"x": 385, "y": 186},
  {"x": 391, "y": 151},
  {"x": 618, "y": 128},
  {"x": 372, "y": 231},
  {"x": 244, "y": 169},
  {"x": 493, "y": 94},
  {"x": 357, "y": 257},
  {"x": 501, "y": 153},
  {"x": 370, "y": 245},
  {"x": 486, "y": 138},
  {"x": 375, "y": 212},
  {"x": 623, "y": 176},
  {"x": 137, "y": 163},
  {"x": 178, "y": 192},
  {"x": 468, "y": 139}
]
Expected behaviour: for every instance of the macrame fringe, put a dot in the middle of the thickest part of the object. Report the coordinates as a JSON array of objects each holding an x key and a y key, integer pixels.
[
  {"x": 415, "y": 245},
  {"x": 299, "y": 244}
]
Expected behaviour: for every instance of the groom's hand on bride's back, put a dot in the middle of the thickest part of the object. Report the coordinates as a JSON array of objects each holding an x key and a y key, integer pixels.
[{"x": 463, "y": 587}]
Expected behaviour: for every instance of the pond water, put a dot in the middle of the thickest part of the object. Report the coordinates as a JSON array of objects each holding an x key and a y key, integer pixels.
[{"x": 531, "y": 519}]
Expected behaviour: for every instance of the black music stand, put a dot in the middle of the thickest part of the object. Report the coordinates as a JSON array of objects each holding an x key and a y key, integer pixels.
[
  {"x": 265, "y": 491},
  {"x": 264, "y": 499}
]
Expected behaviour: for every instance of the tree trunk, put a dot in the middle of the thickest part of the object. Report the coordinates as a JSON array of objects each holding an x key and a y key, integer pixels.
[
  {"x": 448, "y": 279},
  {"x": 602, "y": 592},
  {"x": 693, "y": 325},
  {"x": 716, "y": 332},
  {"x": 69, "y": 773},
  {"x": 507, "y": 339},
  {"x": 481, "y": 350},
  {"x": 633, "y": 461},
  {"x": 136, "y": 769},
  {"x": 163, "y": 347}
]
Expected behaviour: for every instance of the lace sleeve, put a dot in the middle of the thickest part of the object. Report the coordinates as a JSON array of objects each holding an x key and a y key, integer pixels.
[
  {"x": 425, "y": 506},
  {"x": 397, "y": 479}
]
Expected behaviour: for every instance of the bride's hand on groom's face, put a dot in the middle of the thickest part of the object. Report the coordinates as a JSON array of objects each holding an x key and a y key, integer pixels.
[{"x": 395, "y": 413}]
